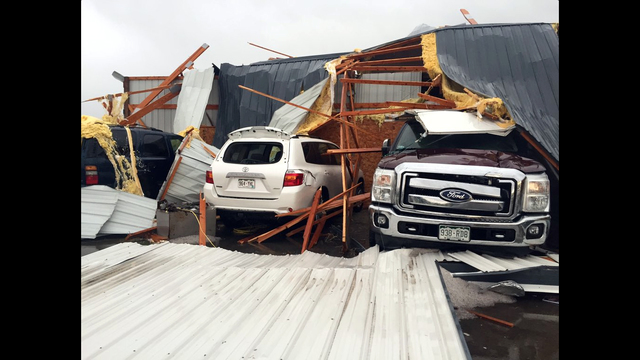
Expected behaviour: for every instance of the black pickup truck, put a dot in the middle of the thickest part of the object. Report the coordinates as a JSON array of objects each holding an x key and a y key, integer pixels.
[{"x": 154, "y": 152}]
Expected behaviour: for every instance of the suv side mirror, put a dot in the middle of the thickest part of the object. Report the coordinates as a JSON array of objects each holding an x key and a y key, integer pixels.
[{"x": 385, "y": 147}]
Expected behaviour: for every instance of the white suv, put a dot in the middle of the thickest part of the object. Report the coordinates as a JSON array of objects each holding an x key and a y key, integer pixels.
[{"x": 262, "y": 171}]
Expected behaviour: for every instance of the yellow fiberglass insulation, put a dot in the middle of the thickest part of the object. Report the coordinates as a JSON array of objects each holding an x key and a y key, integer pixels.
[
  {"x": 322, "y": 105},
  {"x": 125, "y": 174},
  {"x": 454, "y": 91}
]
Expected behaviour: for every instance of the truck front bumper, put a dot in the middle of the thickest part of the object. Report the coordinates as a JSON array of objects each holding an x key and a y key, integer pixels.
[{"x": 529, "y": 230}]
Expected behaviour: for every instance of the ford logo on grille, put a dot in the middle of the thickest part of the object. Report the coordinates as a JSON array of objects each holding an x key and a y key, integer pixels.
[{"x": 455, "y": 195}]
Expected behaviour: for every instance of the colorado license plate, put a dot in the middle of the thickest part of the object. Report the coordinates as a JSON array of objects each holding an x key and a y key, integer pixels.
[
  {"x": 457, "y": 233},
  {"x": 247, "y": 183}
]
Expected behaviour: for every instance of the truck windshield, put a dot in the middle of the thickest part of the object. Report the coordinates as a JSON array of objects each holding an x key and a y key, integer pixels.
[{"x": 410, "y": 138}]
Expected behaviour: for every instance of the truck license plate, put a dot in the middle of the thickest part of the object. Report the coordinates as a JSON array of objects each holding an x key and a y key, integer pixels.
[
  {"x": 247, "y": 183},
  {"x": 458, "y": 233}
]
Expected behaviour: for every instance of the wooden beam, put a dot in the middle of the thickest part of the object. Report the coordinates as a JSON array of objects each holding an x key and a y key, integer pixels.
[
  {"x": 386, "y": 82},
  {"x": 366, "y": 68}
]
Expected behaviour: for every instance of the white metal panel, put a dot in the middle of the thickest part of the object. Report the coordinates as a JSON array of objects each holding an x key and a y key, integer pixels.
[
  {"x": 133, "y": 213},
  {"x": 193, "y": 98},
  {"x": 96, "y": 207},
  {"x": 189, "y": 177},
  {"x": 373, "y": 93},
  {"x": 446, "y": 122},
  {"x": 189, "y": 301},
  {"x": 488, "y": 263}
]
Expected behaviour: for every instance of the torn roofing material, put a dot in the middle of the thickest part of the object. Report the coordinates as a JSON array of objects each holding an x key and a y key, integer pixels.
[
  {"x": 518, "y": 63},
  {"x": 283, "y": 79},
  {"x": 186, "y": 301}
]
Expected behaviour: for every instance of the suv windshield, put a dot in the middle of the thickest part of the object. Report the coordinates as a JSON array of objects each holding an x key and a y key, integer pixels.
[
  {"x": 253, "y": 153},
  {"x": 410, "y": 138}
]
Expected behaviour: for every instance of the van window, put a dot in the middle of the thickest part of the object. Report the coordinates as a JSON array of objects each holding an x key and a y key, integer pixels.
[
  {"x": 253, "y": 153},
  {"x": 154, "y": 145}
]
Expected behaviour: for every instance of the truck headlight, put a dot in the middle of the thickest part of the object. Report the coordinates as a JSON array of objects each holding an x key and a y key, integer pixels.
[
  {"x": 384, "y": 183},
  {"x": 536, "y": 193}
]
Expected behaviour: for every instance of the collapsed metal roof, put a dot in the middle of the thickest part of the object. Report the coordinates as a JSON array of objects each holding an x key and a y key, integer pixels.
[
  {"x": 518, "y": 63},
  {"x": 186, "y": 301},
  {"x": 283, "y": 79}
]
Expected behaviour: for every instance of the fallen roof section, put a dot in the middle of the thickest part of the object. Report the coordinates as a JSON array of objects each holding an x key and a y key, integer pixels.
[
  {"x": 189, "y": 301},
  {"x": 104, "y": 210}
]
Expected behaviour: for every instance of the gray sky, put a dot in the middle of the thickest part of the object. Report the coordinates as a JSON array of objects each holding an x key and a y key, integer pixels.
[{"x": 153, "y": 37}]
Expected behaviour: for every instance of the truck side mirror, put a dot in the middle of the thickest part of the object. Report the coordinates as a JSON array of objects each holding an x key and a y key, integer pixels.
[{"x": 385, "y": 147}]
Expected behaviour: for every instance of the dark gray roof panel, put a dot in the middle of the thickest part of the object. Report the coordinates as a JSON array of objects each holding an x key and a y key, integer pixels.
[
  {"x": 282, "y": 78},
  {"x": 518, "y": 63}
]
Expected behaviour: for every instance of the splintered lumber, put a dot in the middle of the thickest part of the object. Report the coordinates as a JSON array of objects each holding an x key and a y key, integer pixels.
[{"x": 307, "y": 230}]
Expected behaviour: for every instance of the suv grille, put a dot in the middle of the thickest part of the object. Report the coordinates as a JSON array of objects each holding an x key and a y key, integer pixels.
[{"x": 471, "y": 195}]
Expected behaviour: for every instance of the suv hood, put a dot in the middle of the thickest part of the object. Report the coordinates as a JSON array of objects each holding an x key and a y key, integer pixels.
[{"x": 463, "y": 157}]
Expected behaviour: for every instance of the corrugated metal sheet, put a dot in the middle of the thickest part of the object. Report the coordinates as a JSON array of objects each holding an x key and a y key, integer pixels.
[
  {"x": 372, "y": 93},
  {"x": 518, "y": 63},
  {"x": 187, "y": 301},
  {"x": 189, "y": 177},
  {"x": 193, "y": 98},
  {"x": 488, "y": 263},
  {"x": 163, "y": 119},
  {"x": 283, "y": 79},
  {"x": 104, "y": 211}
]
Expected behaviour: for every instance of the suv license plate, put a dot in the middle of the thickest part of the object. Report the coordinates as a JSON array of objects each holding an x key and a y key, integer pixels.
[
  {"x": 247, "y": 183},
  {"x": 457, "y": 233}
]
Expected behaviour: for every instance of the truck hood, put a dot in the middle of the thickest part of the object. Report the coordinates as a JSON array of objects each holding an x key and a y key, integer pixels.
[{"x": 463, "y": 157}]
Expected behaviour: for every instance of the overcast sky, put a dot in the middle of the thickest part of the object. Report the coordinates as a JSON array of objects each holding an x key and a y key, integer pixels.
[{"x": 153, "y": 37}]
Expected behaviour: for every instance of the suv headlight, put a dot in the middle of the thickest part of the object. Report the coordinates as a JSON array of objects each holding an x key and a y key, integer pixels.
[
  {"x": 536, "y": 193},
  {"x": 384, "y": 183}
]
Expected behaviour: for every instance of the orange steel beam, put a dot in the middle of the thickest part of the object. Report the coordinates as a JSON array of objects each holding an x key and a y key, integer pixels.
[
  {"x": 417, "y": 105},
  {"x": 540, "y": 149},
  {"x": 147, "y": 109},
  {"x": 383, "y": 52},
  {"x": 386, "y": 82},
  {"x": 312, "y": 213},
  {"x": 375, "y": 112},
  {"x": 401, "y": 43},
  {"x": 270, "y": 50},
  {"x": 438, "y": 100},
  {"x": 353, "y": 151},
  {"x": 131, "y": 92},
  {"x": 185, "y": 65},
  {"x": 391, "y": 61},
  {"x": 363, "y": 68},
  {"x": 203, "y": 221},
  {"x": 468, "y": 16}
]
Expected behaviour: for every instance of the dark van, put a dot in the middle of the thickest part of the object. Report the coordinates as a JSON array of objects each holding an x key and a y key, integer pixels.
[{"x": 154, "y": 151}]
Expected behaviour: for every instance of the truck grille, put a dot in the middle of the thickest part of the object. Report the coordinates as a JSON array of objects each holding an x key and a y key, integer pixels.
[{"x": 458, "y": 195}]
